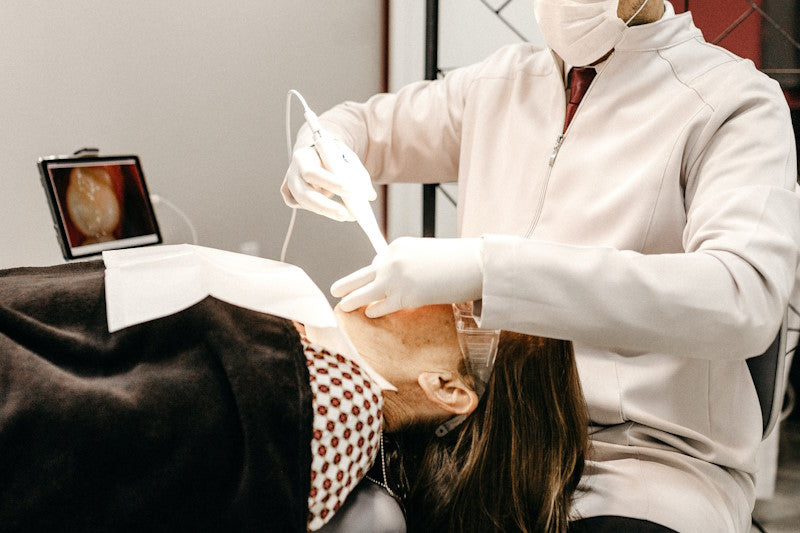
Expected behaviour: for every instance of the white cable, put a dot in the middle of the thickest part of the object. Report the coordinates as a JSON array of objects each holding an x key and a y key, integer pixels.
[
  {"x": 288, "y": 235},
  {"x": 289, "y": 146},
  {"x": 641, "y": 7},
  {"x": 336, "y": 161},
  {"x": 156, "y": 199}
]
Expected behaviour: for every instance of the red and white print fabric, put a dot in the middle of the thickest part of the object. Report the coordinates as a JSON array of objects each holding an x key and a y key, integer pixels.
[{"x": 346, "y": 431}]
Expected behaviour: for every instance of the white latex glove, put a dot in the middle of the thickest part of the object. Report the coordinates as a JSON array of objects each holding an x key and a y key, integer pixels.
[
  {"x": 309, "y": 185},
  {"x": 413, "y": 272}
]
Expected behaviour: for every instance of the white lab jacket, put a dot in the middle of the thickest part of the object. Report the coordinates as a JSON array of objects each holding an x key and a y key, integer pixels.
[{"x": 663, "y": 240}]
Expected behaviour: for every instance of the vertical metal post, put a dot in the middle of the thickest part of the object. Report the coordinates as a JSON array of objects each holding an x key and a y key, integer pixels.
[
  {"x": 431, "y": 39},
  {"x": 431, "y": 73}
]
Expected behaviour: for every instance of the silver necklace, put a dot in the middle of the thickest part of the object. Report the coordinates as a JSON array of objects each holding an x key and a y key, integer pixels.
[{"x": 385, "y": 483}]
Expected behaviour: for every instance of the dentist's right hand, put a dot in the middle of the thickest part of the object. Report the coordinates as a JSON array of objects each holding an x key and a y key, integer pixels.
[{"x": 309, "y": 185}]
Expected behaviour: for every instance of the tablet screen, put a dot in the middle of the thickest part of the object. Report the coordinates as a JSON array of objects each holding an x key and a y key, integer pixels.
[{"x": 99, "y": 203}]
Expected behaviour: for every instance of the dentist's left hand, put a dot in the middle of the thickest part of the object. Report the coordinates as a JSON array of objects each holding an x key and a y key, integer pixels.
[{"x": 413, "y": 272}]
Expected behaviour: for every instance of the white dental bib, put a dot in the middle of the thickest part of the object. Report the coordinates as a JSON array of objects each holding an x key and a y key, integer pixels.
[{"x": 144, "y": 284}]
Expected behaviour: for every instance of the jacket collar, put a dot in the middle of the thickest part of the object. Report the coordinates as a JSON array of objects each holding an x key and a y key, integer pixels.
[{"x": 668, "y": 31}]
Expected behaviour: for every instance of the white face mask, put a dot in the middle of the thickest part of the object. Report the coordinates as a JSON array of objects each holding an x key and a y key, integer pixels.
[{"x": 581, "y": 31}]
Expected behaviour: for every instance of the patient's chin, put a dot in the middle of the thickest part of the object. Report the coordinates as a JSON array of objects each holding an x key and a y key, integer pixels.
[
  {"x": 352, "y": 322},
  {"x": 415, "y": 321}
]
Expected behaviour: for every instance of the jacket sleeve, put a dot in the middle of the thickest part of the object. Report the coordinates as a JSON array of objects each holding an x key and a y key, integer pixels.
[
  {"x": 723, "y": 297},
  {"x": 413, "y": 135}
]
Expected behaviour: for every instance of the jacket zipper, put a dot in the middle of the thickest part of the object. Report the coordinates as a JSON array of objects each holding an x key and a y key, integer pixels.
[
  {"x": 556, "y": 148},
  {"x": 554, "y": 154}
]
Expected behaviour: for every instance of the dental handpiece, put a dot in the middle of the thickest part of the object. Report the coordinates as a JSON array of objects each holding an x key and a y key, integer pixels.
[{"x": 336, "y": 161}]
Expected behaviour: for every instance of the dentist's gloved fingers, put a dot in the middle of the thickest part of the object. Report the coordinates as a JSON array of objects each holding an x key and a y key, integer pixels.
[
  {"x": 358, "y": 289},
  {"x": 286, "y": 192},
  {"x": 309, "y": 184},
  {"x": 382, "y": 307},
  {"x": 298, "y": 193},
  {"x": 358, "y": 176},
  {"x": 353, "y": 178},
  {"x": 412, "y": 272},
  {"x": 353, "y": 281},
  {"x": 312, "y": 172},
  {"x": 363, "y": 296},
  {"x": 288, "y": 197},
  {"x": 309, "y": 198},
  {"x": 319, "y": 203}
]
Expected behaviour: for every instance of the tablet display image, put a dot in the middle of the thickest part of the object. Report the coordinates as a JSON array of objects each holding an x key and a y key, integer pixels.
[{"x": 99, "y": 203}]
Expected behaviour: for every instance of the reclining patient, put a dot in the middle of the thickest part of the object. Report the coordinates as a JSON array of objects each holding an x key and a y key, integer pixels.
[{"x": 221, "y": 418}]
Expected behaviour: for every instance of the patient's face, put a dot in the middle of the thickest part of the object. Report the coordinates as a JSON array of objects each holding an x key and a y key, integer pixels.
[
  {"x": 417, "y": 351},
  {"x": 420, "y": 339}
]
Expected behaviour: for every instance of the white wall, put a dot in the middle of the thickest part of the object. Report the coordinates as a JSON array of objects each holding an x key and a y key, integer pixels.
[
  {"x": 197, "y": 89},
  {"x": 469, "y": 31},
  {"x": 406, "y": 65}
]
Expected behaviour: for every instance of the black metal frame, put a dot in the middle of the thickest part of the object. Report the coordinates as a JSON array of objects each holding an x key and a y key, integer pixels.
[{"x": 431, "y": 72}]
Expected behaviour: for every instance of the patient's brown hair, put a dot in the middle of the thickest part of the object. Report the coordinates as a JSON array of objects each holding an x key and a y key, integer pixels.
[{"x": 515, "y": 462}]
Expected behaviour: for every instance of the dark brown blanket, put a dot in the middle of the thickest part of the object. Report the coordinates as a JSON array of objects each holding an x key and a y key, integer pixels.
[{"x": 198, "y": 421}]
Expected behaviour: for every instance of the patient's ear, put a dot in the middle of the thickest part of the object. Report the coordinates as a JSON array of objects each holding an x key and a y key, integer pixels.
[{"x": 448, "y": 392}]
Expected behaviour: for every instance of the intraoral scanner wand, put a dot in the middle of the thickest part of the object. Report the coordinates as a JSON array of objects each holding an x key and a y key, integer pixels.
[{"x": 357, "y": 198}]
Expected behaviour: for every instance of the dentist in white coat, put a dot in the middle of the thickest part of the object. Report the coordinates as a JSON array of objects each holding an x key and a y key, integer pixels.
[{"x": 659, "y": 230}]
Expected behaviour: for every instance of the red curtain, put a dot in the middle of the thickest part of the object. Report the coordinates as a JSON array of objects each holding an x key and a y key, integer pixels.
[{"x": 714, "y": 17}]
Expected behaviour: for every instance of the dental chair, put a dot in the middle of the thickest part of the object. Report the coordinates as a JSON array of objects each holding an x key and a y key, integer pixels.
[
  {"x": 767, "y": 371},
  {"x": 369, "y": 509}
]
